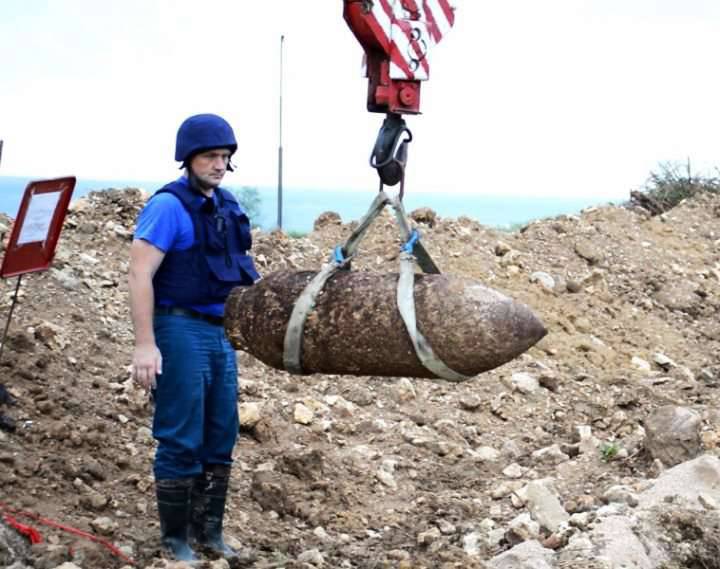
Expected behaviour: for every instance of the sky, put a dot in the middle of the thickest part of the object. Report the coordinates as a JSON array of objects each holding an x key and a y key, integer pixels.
[{"x": 557, "y": 98}]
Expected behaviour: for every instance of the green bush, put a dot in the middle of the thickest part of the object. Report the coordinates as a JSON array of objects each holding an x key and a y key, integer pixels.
[
  {"x": 296, "y": 234},
  {"x": 250, "y": 201},
  {"x": 671, "y": 184}
]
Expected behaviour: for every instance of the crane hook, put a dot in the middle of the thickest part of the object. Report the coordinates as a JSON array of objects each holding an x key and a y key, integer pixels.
[{"x": 389, "y": 154}]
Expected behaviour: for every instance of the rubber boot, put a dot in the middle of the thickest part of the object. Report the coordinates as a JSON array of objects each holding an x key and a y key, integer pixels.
[
  {"x": 208, "y": 510},
  {"x": 174, "y": 503}
]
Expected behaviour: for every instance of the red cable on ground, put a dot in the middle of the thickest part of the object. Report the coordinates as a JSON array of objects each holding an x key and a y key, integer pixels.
[
  {"x": 105, "y": 543},
  {"x": 28, "y": 531}
]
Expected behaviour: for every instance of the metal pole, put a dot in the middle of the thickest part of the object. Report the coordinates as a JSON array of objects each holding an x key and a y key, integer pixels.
[
  {"x": 280, "y": 148},
  {"x": 12, "y": 307}
]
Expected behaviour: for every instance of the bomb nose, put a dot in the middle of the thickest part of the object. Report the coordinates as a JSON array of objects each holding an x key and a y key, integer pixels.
[{"x": 528, "y": 327}]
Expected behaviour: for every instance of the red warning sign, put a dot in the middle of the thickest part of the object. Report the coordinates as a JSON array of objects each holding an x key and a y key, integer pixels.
[{"x": 37, "y": 226}]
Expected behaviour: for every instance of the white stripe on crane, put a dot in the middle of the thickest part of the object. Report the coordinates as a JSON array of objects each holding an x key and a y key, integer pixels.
[
  {"x": 439, "y": 15},
  {"x": 399, "y": 68},
  {"x": 413, "y": 53}
]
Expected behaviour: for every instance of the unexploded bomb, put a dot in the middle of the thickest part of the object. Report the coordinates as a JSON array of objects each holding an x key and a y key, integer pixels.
[{"x": 355, "y": 327}]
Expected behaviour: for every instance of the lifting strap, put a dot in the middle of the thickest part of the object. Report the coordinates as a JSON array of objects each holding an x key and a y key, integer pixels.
[{"x": 413, "y": 251}]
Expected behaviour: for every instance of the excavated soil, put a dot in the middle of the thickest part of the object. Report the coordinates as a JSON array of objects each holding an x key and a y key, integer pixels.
[{"x": 369, "y": 472}]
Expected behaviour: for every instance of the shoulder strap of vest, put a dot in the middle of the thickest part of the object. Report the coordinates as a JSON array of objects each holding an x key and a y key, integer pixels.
[
  {"x": 229, "y": 197},
  {"x": 182, "y": 192},
  {"x": 226, "y": 195},
  {"x": 189, "y": 198}
]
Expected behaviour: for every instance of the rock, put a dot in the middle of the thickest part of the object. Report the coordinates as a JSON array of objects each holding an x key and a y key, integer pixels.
[
  {"x": 313, "y": 557},
  {"x": 622, "y": 494},
  {"x": 640, "y": 364},
  {"x": 470, "y": 402},
  {"x": 580, "y": 520},
  {"x": 550, "y": 455},
  {"x": 663, "y": 361},
  {"x": 512, "y": 450},
  {"x": 588, "y": 251},
  {"x": 505, "y": 489},
  {"x": 617, "y": 541},
  {"x": 595, "y": 281},
  {"x": 428, "y": 537},
  {"x": 52, "y": 335},
  {"x": 555, "y": 541},
  {"x": 470, "y": 543},
  {"x": 446, "y": 528},
  {"x": 573, "y": 286},
  {"x": 487, "y": 454},
  {"x": 549, "y": 381},
  {"x": 424, "y": 215},
  {"x": 587, "y": 443},
  {"x": 679, "y": 295},
  {"x": 514, "y": 471},
  {"x": 522, "y": 528},
  {"x": 501, "y": 249},
  {"x": 144, "y": 435},
  {"x": 321, "y": 534},
  {"x": 385, "y": 473},
  {"x": 404, "y": 390},
  {"x": 12, "y": 545},
  {"x": 708, "y": 502},
  {"x": 580, "y": 504},
  {"x": 544, "y": 279},
  {"x": 544, "y": 506},
  {"x": 94, "y": 501},
  {"x": 326, "y": 219},
  {"x": 528, "y": 555},
  {"x": 689, "y": 481},
  {"x": 524, "y": 383},
  {"x": 303, "y": 414},
  {"x": 673, "y": 434},
  {"x": 66, "y": 279},
  {"x": 104, "y": 525},
  {"x": 249, "y": 414},
  {"x": 360, "y": 396}
]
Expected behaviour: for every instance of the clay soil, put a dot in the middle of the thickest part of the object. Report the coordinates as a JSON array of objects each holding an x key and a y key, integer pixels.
[{"x": 381, "y": 463}]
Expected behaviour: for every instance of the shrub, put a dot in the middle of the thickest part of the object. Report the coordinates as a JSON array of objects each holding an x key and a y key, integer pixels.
[{"x": 671, "y": 184}]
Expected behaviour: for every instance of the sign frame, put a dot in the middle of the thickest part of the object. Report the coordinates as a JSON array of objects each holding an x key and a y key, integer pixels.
[{"x": 40, "y": 213}]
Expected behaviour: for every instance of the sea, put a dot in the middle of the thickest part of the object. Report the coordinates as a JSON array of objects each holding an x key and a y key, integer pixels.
[{"x": 301, "y": 206}]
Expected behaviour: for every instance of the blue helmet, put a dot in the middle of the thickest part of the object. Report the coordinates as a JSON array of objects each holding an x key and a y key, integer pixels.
[{"x": 199, "y": 133}]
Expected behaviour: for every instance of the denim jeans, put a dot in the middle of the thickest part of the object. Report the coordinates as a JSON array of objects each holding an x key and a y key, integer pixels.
[{"x": 196, "y": 419}]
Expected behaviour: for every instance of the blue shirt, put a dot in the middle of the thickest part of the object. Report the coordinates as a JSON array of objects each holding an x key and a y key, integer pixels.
[{"x": 165, "y": 223}]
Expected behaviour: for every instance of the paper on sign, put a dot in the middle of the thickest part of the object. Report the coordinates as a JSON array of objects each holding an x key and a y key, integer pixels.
[{"x": 39, "y": 214}]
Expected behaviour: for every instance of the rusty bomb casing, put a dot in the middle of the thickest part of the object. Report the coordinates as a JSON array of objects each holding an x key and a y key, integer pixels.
[{"x": 356, "y": 328}]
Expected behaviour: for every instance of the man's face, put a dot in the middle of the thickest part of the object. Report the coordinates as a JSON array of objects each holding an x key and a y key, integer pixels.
[{"x": 209, "y": 167}]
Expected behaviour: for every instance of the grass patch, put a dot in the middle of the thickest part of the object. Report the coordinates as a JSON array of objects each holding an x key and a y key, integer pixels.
[{"x": 609, "y": 451}]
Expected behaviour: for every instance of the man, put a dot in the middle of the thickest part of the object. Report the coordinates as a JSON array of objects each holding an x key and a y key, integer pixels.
[{"x": 190, "y": 249}]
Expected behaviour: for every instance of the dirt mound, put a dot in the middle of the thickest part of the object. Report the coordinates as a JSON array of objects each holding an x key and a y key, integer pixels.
[{"x": 369, "y": 472}]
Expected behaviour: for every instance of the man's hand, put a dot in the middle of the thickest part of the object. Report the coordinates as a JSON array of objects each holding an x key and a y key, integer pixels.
[{"x": 147, "y": 363}]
